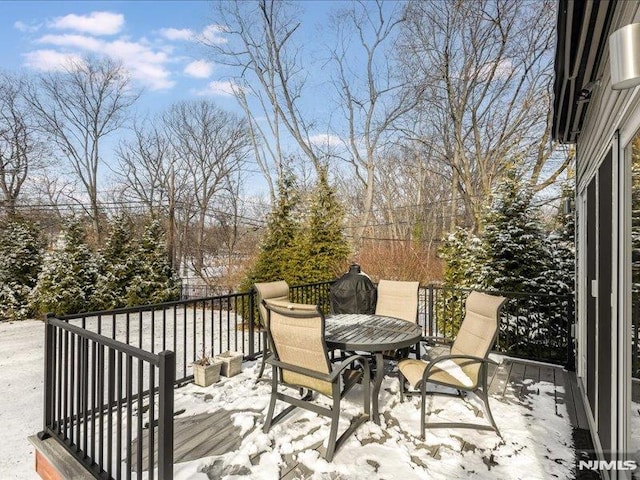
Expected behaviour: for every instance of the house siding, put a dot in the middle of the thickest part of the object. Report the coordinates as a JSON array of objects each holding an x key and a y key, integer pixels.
[
  {"x": 599, "y": 182},
  {"x": 608, "y": 109}
]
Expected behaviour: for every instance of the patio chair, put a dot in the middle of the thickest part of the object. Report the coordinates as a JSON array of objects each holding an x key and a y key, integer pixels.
[
  {"x": 400, "y": 300},
  {"x": 300, "y": 355},
  {"x": 465, "y": 367},
  {"x": 278, "y": 290}
]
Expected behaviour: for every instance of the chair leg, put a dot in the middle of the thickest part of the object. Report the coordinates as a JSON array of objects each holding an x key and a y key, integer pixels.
[
  {"x": 265, "y": 353},
  {"x": 423, "y": 407},
  {"x": 272, "y": 402},
  {"x": 485, "y": 399},
  {"x": 401, "y": 380},
  {"x": 333, "y": 434},
  {"x": 366, "y": 391}
]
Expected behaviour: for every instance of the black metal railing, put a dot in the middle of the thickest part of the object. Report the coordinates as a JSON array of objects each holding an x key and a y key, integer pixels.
[
  {"x": 313, "y": 293},
  {"x": 187, "y": 327},
  {"x": 533, "y": 326},
  {"x": 103, "y": 400},
  {"x": 101, "y": 367}
]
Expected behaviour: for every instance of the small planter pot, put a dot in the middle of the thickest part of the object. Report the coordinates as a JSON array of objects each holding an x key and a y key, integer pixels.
[
  {"x": 231, "y": 363},
  {"x": 205, "y": 375}
]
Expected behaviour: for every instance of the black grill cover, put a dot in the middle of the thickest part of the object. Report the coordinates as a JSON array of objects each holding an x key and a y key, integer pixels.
[{"x": 354, "y": 292}]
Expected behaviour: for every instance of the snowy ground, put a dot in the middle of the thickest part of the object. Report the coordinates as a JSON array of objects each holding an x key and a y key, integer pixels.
[
  {"x": 21, "y": 397},
  {"x": 537, "y": 441},
  {"x": 182, "y": 330}
]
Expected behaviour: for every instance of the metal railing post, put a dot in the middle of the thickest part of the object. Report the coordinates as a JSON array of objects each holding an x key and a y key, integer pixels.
[
  {"x": 167, "y": 373},
  {"x": 49, "y": 354},
  {"x": 431, "y": 310},
  {"x": 252, "y": 347}
]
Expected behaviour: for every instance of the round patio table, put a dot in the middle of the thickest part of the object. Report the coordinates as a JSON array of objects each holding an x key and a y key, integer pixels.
[{"x": 371, "y": 333}]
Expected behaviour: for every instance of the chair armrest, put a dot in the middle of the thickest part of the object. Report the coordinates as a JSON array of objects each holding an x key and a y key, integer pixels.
[
  {"x": 473, "y": 359},
  {"x": 331, "y": 377},
  {"x": 346, "y": 362},
  {"x": 297, "y": 369},
  {"x": 437, "y": 340}
]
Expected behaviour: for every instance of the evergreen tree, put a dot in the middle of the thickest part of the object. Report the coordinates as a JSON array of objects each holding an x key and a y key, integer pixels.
[
  {"x": 463, "y": 253},
  {"x": 66, "y": 282},
  {"x": 153, "y": 279},
  {"x": 562, "y": 241},
  {"x": 320, "y": 249},
  {"x": 21, "y": 251},
  {"x": 522, "y": 257},
  {"x": 117, "y": 264},
  {"x": 517, "y": 257},
  {"x": 514, "y": 254},
  {"x": 276, "y": 257}
]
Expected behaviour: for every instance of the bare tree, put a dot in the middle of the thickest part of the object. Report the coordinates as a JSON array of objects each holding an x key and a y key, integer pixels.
[
  {"x": 78, "y": 108},
  {"x": 146, "y": 165},
  {"x": 212, "y": 145},
  {"x": 486, "y": 67},
  {"x": 372, "y": 97},
  {"x": 22, "y": 149},
  {"x": 269, "y": 77},
  {"x": 149, "y": 172}
]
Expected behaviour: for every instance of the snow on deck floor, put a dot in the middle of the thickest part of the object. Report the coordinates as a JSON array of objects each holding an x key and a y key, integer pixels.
[
  {"x": 21, "y": 396},
  {"x": 537, "y": 441}
]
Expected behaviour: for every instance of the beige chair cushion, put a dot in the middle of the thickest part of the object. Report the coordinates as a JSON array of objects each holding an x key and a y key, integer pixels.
[
  {"x": 452, "y": 373},
  {"x": 300, "y": 341},
  {"x": 475, "y": 337},
  {"x": 398, "y": 299},
  {"x": 478, "y": 330},
  {"x": 292, "y": 306},
  {"x": 270, "y": 291}
]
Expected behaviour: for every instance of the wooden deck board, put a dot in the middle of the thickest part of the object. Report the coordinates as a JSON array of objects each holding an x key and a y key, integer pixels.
[
  {"x": 198, "y": 436},
  {"x": 516, "y": 379},
  {"x": 564, "y": 396},
  {"x": 576, "y": 405},
  {"x": 214, "y": 434},
  {"x": 532, "y": 372},
  {"x": 547, "y": 374},
  {"x": 500, "y": 380}
]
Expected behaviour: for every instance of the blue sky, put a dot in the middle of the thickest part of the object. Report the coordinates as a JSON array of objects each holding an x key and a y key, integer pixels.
[{"x": 156, "y": 41}]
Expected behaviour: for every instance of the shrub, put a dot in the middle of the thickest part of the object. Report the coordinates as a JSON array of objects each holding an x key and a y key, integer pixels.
[
  {"x": 66, "y": 282},
  {"x": 21, "y": 251}
]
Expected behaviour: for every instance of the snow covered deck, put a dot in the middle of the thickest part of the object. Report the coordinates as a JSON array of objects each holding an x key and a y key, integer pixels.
[{"x": 218, "y": 432}]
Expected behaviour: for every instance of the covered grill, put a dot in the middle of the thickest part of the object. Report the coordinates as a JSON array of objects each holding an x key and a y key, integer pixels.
[{"x": 354, "y": 292}]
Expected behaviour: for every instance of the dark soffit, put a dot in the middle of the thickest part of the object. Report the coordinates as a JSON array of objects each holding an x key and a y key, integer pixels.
[{"x": 582, "y": 34}]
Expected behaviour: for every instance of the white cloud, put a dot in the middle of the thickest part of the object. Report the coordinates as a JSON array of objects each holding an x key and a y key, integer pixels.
[
  {"x": 50, "y": 60},
  {"x": 177, "y": 33},
  {"x": 212, "y": 34},
  {"x": 25, "y": 27},
  {"x": 500, "y": 71},
  {"x": 95, "y": 23},
  {"x": 143, "y": 63},
  {"x": 199, "y": 69},
  {"x": 71, "y": 40},
  {"x": 220, "y": 88},
  {"x": 324, "y": 139}
]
